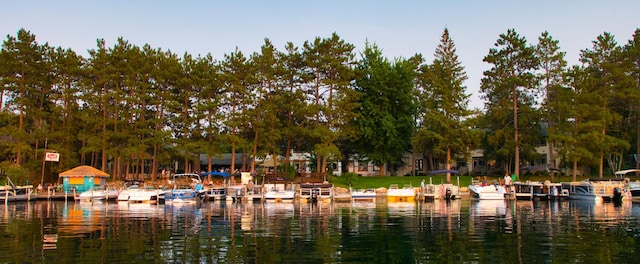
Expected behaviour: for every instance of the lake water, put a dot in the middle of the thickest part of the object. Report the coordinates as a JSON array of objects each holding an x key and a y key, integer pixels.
[{"x": 460, "y": 231}]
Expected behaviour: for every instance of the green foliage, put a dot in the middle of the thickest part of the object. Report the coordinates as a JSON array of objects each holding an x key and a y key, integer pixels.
[
  {"x": 508, "y": 89},
  {"x": 385, "y": 106},
  {"x": 445, "y": 129},
  {"x": 350, "y": 178},
  {"x": 289, "y": 170},
  {"x": 126, "y": 106},
  {"x": 19, "y": 175}
]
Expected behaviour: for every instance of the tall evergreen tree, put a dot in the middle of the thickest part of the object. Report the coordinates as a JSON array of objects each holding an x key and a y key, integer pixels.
[
  {"x": 27, "y": 81},
  {"x": 507, "y": 88},
  {"x": 329, "y": 61},
  {"x": 237, "y": 79},
  {"x": 551, "y": 75},
  {"x": 632, "y": 56},
  {"x": 445, "y": 101},
  {"x": 292, "y": 99},
  {"x": 613, "y": 88}
]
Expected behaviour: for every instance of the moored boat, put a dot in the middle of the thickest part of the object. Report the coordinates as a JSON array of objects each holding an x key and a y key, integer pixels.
[
  {"x": 98, "y": 193},
  {"x": 124, "y": 194},
  {"x": 363, "y": 195},
  {"x": 634, "y": 189},
  {"x": 489, "y": 192},
  {"x": 10, "y": 193},
  {"x": 216, "y": 193},
  {"x": 187, "y": 188},
  {"x": 598, "y": 189},
  {"x": 148, "y": 194},
  {"x": 280, "y": 195},
  {"x": 404, "y": 194},
  {"x": 315, "y": 192}
]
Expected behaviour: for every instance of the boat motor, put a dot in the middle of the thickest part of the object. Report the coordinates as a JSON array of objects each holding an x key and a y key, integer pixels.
[
  {"x": 617, "y": 195},
  {"x": 447, "y": 194},
  {"x": 314, "y": 195}
]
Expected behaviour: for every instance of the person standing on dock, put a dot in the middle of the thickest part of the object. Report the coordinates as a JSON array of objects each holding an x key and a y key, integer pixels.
[
  {"x": 422, "y": 186},
  {"x": 507, "y": 182}
]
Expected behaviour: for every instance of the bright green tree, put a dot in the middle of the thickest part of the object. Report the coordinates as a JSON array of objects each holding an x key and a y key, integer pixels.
[{"x": 385, "y": 114}]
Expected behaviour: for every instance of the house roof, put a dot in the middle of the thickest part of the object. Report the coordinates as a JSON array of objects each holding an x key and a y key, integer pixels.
[{"x": 84, "y": 171}]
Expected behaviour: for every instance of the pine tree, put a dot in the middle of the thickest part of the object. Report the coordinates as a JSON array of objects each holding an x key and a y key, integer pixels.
[
  {"x": 445, "y": 102},
  {"x": 507, "y": 89},
  {"x": 551, "y": 76}
]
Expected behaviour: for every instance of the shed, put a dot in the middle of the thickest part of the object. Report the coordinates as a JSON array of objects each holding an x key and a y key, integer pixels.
[{"x": 83, "y": 178}]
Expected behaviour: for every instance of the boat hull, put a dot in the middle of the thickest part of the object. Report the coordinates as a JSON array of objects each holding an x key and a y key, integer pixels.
[
  {"x": 490, "y": 192},
  {"x": 279, "y": 196}
]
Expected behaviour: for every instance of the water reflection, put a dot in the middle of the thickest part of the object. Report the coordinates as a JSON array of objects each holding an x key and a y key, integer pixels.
[{"x": 438, "y": 231}]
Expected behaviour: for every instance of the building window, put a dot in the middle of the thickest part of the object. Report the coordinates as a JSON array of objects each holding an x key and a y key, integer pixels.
[
  {"x": 419, "y": 164},
  {"x": 362, "y": 166},
  {"x": 543, "y": 159},
  {"x": 543, "y": 142},
  {"x": 376, "y": 166}
]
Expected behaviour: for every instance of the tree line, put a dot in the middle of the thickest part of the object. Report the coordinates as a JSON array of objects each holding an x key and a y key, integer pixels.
[{"x": 131, "y": 109}]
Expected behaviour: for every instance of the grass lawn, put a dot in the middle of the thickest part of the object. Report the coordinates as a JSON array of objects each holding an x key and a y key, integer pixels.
[
  {"x": 384, "y": 181},
  {"x": 361, "y": 182}
]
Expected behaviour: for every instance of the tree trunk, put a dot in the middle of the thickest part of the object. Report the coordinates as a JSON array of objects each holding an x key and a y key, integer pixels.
[
  {"x": 448, "y": 165},
  {"x": 515, "y": 136}
]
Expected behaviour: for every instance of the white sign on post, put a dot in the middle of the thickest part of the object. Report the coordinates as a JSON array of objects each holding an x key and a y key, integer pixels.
[{"x": 52, "y": 156}]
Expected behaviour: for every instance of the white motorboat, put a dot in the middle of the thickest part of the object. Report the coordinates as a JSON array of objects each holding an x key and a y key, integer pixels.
[
  {"x": 363, "y": 195},
  {"x": 146, "y": 195},
  {"x": 406, "y": 194},
  {"x": 98, "y": 193},
  {"x": 489, "y": 192},
  {"x": 280, "y": 195},
  {"x": 124, "y": 194}
]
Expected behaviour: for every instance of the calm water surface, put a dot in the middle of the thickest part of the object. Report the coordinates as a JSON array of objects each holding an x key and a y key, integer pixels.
[{"x": 218, "y": 232}]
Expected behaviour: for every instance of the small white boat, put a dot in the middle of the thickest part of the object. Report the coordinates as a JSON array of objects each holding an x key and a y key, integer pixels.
[
  {"x": 98, "y": 193},
  {"x": 363, "y": 195},
  {"x": 147, "y": 194},
  {"x": 406, "y": 194},
  {"x": 489, "y": 192},
  {"x": 280, "y": 195}
]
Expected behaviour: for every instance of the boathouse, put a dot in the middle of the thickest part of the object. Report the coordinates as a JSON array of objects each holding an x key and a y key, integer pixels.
[{"x": 83, "y": 178}]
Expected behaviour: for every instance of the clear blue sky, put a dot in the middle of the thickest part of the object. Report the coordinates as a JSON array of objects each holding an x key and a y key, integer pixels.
[{"x": 400, "y": 28}]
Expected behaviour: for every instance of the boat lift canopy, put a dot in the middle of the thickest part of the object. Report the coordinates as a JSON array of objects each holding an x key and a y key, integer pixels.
[
  {"x": 435, "y": 172},
  {"x": 215, "y": 173},
  {"x": 620, "y": 174}
]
